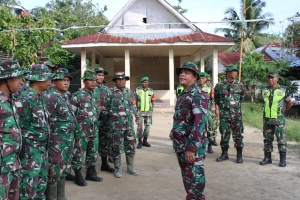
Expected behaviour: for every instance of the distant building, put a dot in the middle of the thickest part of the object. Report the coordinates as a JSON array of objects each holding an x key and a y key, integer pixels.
[{"x": 225, "y": 59}]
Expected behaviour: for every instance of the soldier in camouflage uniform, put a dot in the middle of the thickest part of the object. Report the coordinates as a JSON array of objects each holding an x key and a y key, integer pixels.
[
  {"x": 34, "y": 122},
  {"x": 62, "y": 128},
  {"x": 211, "y": 125},
  {"x": 229, "y": 95},
  {"x": 188, "y": 131},
  {"x": 102, "y": 94},
  {"x": 145, "y": 103},
  {"x": 121, "y": 107},
  {"x": 10, "y": 132},
  {"x": 276, "y": 101},
  {"x": 86, "y": 110}
]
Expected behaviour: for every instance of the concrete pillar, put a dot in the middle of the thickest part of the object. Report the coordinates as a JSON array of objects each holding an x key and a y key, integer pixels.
[
  {"x": 215, "y": 67},
  {"x": 93, "y": 58},
  {"x": 83, "y": 63},
  {"x": 171, "y": 76},
  {"x": 202, "y": 68},
  {"x": 127, "y": 66}
]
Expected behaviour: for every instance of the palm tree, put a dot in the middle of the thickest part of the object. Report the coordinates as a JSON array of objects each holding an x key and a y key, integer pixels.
[{"x": 252, "y": 30}]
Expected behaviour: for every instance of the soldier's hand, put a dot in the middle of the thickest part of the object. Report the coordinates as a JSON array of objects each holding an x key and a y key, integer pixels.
[
  {"x": 190, "y": 156},
  {"x": 171, "y": 135}
]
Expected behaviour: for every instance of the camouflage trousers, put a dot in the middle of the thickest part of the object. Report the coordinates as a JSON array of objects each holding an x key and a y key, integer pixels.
[
  {"x": 274, "y": 127},
  {"x": 60, "y": 156},
  {"x": 104, "y": 140},
  {"x": 9, "y": 185},
  {"x": 122, "y": 141},
  {"x": 147, "y": 121},
  {"x": 211, "y": 126},
  {"x": 34, "y": 174},
  {"x": 193, "y": 176},
  {"x": 89, "y": 146},
  {"x": 234, "y": 126}
]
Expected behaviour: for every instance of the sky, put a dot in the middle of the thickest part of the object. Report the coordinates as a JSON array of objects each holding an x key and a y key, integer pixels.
[{"x": 203, "y": 10}]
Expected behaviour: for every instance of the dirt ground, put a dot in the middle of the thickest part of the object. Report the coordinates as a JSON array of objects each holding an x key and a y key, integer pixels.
[{"x": 160, "y": 177}]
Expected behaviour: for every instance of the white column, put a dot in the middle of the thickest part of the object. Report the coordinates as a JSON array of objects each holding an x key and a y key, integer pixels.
[
  {"x": 215, "y": 69},
  {"x": 93, "y": 58},
  {"x": 127, "y": 66},
  {"x": 171, "y": 76},
  {"x": 83, "y": 63},
  {"x": 202, "y": 68}
]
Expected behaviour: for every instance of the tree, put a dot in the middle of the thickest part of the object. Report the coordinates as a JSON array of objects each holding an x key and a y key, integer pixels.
[
  {"x": 292, "y": 36},
  {"x": 179, "y": 8},
  {"x": 252, "y": 30}
]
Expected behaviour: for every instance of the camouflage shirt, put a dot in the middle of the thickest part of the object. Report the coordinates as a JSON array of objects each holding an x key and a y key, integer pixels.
[
  {"x": 102, "y": 95},
  {"x": 62, "y": 118},
  {"x": 21, "y": 89},
  {"x": 34, "y": 118},
  {"x": 85, "y": 108},
  {"x": 229, "y": 96},
  {"x": 121, "y": 107},
  {"x": 10, "y": 136},
  {"x": 189, "y": 120}
]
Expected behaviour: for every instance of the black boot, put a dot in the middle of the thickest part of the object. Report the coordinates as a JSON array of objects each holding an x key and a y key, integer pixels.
[
  {"x": 140, "y": 144},
  {"x": 282, "y": 162},
  {"x": 224, "y": 155},
  {"x": 91, "y": 175},
  {"x": 78, "y": 178},
  {"x": 209, "y": 149},
  {"x": 239, "y": 155},
  {"x": 145, "y": 143},
  {"x": 214, "y": 142},
  {"x": 267, "y": 159},
  {"x": 105, "y": 166}
]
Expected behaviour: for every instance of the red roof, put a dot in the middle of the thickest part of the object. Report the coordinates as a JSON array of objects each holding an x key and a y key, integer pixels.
[
  {"x": 229, "y": 58},
  {"x": 106, "y": 38}
]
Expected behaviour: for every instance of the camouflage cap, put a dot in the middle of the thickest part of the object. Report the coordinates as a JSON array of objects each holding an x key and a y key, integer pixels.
[
  {"x": 231, "y": 68},
  {"x": 61, "y": 73},
  {"x": 10, "y": 69},
  {"x": 273, "y": 74},
  {"x": 100, "y": 70},
  {"x": 89, "y": 75},
  {"x": 145, "y": 78},
  {"x": 120, "y": 75},
  {"x": 49, "y": 64},
  {"x": 189, "y": 66},
  {"x": 203, "y": 74},
  {"x": 39, "y": 72}
]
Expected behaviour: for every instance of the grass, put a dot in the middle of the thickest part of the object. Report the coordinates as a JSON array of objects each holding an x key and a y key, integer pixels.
[{"x": 253, "y": 116}]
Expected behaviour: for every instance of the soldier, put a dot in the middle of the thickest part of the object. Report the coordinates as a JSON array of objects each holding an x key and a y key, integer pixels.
[
  {"x": 121, "y": 107},
  {"x": 86, "y": 135},
  {"x": 229, "y": 95},
  {"x": 52, "y": 67},
  {"x": 10, "y": 134},
  {"x": 62, "y": 128},
  {"x": 188, "y": 130},
  {"x": 34, "y": 120},
  {"x": 276, "y": 101},
  {"x": 211, "y": 126},
  {"x": 102, "y": 94},
  {"x": 145, "y": 103},
  {"x": 24, "y": 86},
  {"x": 208, "y": 81}
]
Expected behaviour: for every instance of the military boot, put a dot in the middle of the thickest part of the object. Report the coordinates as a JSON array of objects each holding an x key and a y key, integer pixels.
[
  {"x": 78, "y": 178},
  {"x": 61, "y": 190},
  {"x": 91, "y": 175},
  {"x": 239, "y": 155},
  {"x": 105, "y": 166},
  {"x": 51, "y": 192},
  {"x": 118, "y": 171},
  {"x": 267, "y": 159},
  {"x": 145, "y": 143},
  {"x": 214, "y": 142},
  {"x": 224, "y": 155},
  {"x": 209, "y": 149},
  {"x": 282, "y": 162},
  {"x": 140, "y": 144},
  {"x": 130, "y": 165}
]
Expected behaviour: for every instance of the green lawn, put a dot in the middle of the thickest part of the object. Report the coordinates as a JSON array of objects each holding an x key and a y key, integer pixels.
[{"x": 252, "y": 116}]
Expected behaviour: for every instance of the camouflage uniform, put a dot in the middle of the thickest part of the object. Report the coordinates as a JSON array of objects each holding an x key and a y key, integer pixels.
[
  {"x": 229, "y": 96},
  {"x": 23, "y": 87},
  {"x": 10, "y": 137},
  {"x": 34, "y": 122},
  {"x": 188, "y": 135}
]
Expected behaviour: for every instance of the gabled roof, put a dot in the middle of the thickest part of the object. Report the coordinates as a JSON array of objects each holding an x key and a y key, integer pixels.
[
  {"x": 148, "y": 38},
  {"x": 229, "y": 58},
  {"x": 164, "y": 3}
]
